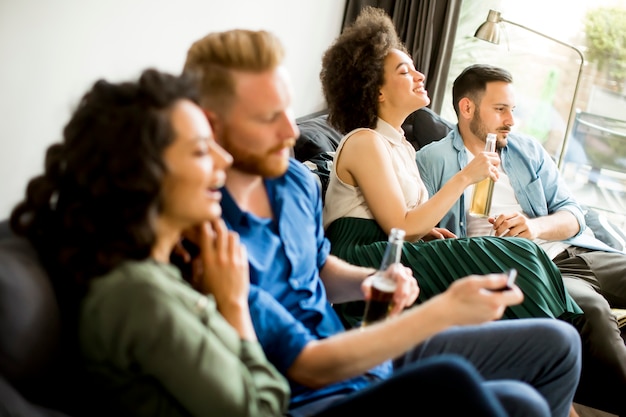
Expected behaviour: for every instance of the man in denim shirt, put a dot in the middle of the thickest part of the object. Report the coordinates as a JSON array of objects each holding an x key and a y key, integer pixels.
[{"x": 531, "y": 200}]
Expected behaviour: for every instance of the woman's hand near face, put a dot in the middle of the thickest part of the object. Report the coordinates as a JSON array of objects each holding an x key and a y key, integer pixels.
[
  {"x": 225, "y": 274},
  {"x": 225, "y": 263}
]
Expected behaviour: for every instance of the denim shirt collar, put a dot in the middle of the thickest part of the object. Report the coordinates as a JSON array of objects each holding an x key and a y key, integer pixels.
[{"x": 235, "y": 216}]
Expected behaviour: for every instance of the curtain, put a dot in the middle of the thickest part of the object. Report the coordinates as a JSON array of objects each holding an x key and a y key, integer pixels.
[{"x": 427, "y": 28}]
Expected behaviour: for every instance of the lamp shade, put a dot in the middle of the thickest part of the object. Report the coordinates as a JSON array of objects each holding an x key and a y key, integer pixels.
[{"x": 490, "y": 30}]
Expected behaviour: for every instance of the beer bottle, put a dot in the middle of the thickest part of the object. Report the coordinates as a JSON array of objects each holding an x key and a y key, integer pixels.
[
  {"x": 383, "y": 288},
  {"x": 483, "y": 190}
]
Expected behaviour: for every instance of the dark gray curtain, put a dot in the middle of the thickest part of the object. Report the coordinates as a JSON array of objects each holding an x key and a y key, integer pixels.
[{"x": 427, "y": 28}]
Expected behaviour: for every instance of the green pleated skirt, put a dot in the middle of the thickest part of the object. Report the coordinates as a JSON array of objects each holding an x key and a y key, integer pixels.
[{"x": 436, "y": 264}]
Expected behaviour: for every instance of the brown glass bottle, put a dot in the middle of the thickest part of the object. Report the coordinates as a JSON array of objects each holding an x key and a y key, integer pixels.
[{"x": 378, "y": 306}]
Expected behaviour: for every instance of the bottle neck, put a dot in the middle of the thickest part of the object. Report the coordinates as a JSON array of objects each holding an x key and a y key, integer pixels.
[
  {"x": 490, "y": 142},
  {"x": 393, "y": 252}
]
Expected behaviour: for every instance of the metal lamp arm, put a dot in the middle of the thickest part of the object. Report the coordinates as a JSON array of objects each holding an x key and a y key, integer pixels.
[
  {"x": 578, "y": 78},
  {"x": 578, "y": 51}
]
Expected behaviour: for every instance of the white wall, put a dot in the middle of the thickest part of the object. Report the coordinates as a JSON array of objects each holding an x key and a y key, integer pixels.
[{"x": 52, "y": 51}]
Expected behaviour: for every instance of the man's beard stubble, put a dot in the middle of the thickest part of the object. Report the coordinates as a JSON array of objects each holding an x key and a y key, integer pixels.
[
  {"x": 477, "y": 127},
  {"x": 266, "y": 165}
]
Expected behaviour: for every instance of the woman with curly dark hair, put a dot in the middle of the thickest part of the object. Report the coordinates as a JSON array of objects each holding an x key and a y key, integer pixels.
[
  {"x": 371, "y": 86},
  {"x": 137, "y": 168}
]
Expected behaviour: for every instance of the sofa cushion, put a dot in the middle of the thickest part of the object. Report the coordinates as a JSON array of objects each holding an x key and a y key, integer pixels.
[
  {"x": 604, "y": 230},
  {"x": 424, "y": 126},
  {"x": 29, "y": 316},
  {"x": 316, "y": 136},
  {"x": 5, "y": 229},
  {"x": 321, "y": 165},
  {"x": 39, "y": 373}
]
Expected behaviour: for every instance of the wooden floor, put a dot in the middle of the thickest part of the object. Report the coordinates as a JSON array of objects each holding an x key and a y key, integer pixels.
[{"x": 591, "y": 412}]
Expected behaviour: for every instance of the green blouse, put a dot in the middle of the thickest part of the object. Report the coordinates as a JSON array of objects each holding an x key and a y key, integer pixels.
[{"x": 153, "y": 346}]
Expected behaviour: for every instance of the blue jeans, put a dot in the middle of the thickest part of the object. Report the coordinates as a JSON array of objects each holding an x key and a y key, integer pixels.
[
  {"x": 442, "y": 386},
  {"x": 512, "y": 356}
]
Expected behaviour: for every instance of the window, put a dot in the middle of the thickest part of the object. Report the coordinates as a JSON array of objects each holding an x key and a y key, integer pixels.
[{"x": 546, "y": 73}]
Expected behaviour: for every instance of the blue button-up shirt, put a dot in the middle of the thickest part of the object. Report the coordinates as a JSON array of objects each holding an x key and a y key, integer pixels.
[
  {"x": 287, "y": 252},
  {"x": 288, "y": 299},
  {"x": 537, "y": 184}
]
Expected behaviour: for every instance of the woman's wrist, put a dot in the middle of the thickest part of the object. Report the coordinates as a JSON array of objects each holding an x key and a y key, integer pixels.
[{"x": 238, "y": 316}]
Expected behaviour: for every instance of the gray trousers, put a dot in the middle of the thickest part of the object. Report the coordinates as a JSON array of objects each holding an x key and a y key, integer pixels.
[
  {"x": 596, "y": 280},
  {"x": 513, "y": 355}
]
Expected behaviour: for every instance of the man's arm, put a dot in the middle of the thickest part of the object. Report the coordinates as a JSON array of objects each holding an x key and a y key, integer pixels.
[
  {"x": 557, "y": 226},
  {"x": 560, "y": 225},
  {"x": 542, "y": 192},
  {"x": 345, "y": 282},
  {"x": 346, "y": 355}
]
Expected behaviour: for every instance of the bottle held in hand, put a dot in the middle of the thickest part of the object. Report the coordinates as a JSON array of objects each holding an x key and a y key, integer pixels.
[
  {"x": 483, "y": 190},
  {"x": 380, "y": 303}
]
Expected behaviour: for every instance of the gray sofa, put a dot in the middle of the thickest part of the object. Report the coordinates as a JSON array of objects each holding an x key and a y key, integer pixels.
[{"x": 35, "y": 379}]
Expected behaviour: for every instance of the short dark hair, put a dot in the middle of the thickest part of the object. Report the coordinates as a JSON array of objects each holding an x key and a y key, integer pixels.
[
  {"x": 472, "y": 82},
  {"x": 95, "y": 204},
  {"x": 353, "y": 70}
]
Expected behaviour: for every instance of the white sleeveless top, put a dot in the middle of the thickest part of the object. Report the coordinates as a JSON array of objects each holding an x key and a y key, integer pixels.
[{"x": 344, "y": 200}]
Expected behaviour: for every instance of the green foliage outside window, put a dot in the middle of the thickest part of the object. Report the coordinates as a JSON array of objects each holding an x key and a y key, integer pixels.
[{"x": 605, "y": 32}]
